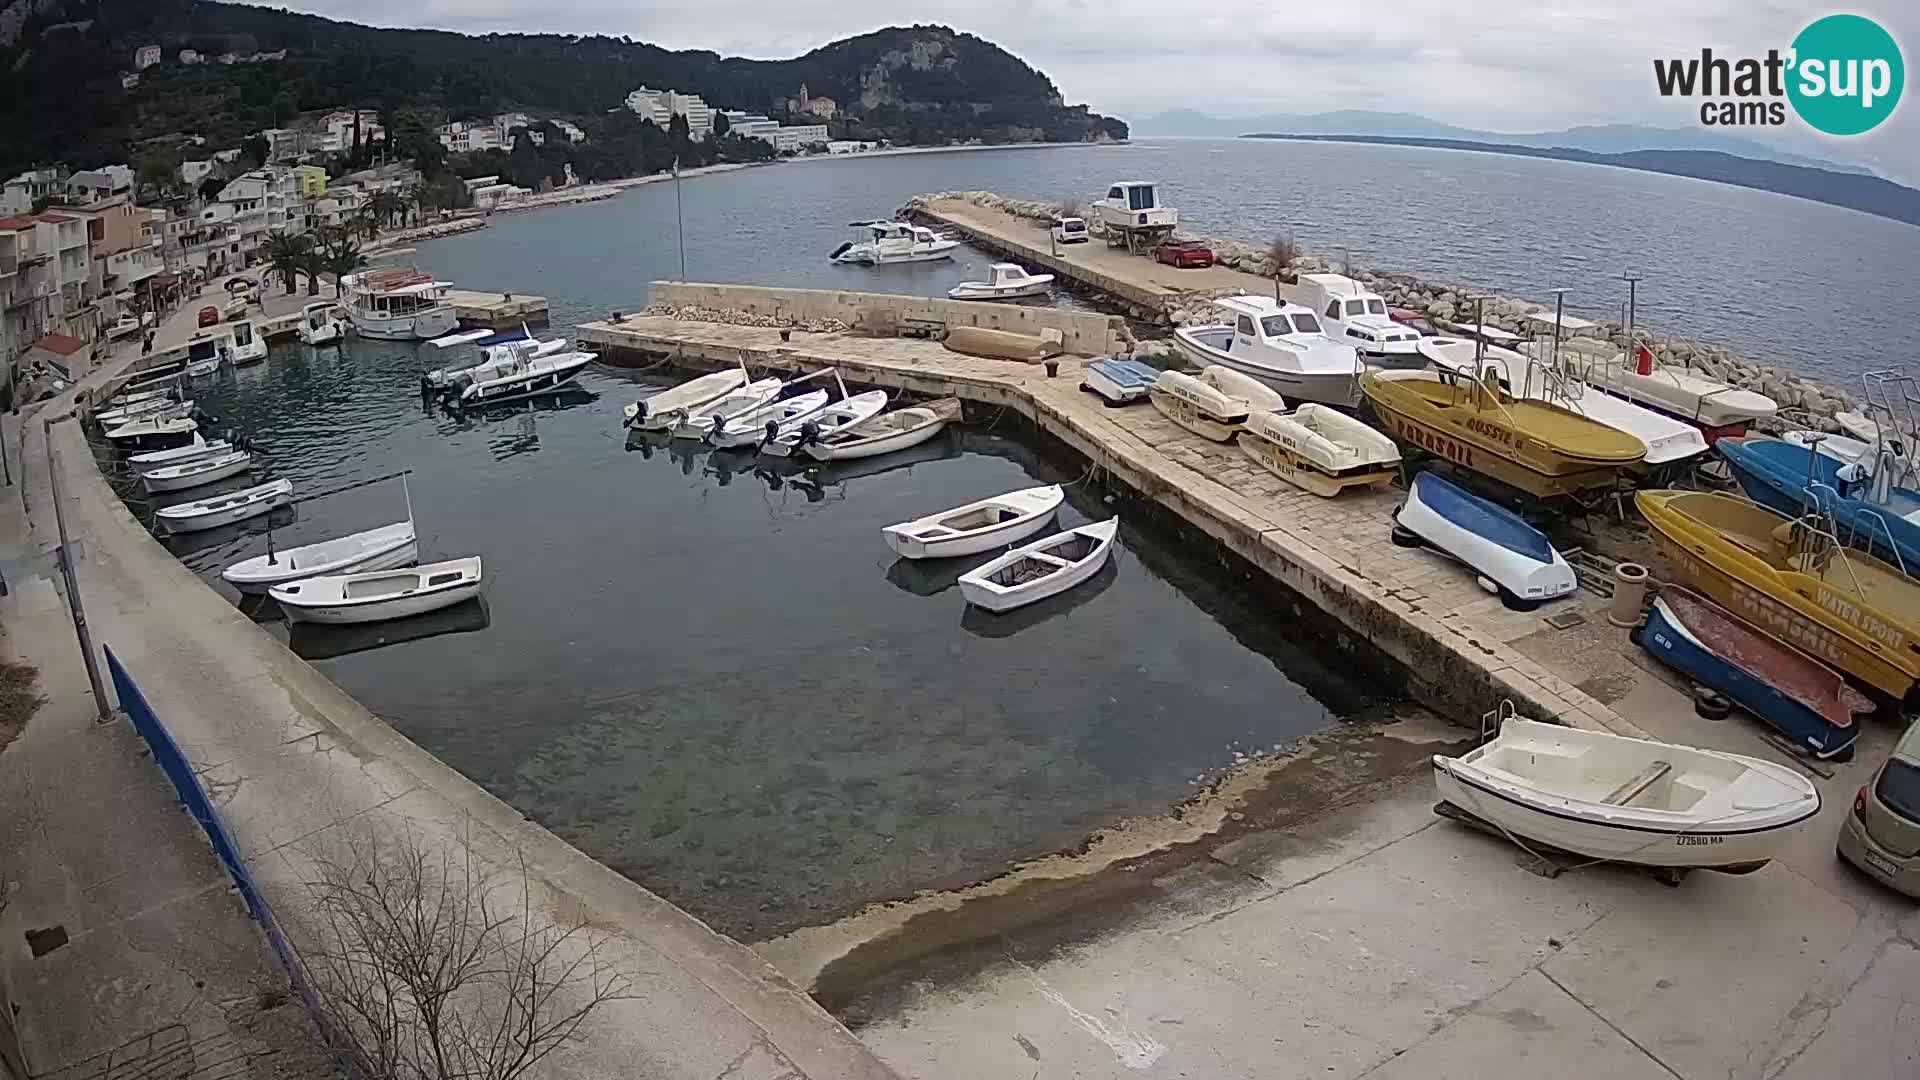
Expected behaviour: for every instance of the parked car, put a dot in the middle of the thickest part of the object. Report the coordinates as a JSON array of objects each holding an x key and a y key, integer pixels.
[
  {"x": 209, "y": 316},
  {"x": 1185, "y": 254},
  {"x": 1882, "y": 834},
  {"x": 1413, "y": 320},
  {"x": 1070, "y": 230}
]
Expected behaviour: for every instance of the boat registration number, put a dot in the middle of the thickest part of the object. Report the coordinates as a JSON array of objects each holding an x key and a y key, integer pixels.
[
  {"x": 1696, "y": 841},
  {"x": 1881, "y": 863}
]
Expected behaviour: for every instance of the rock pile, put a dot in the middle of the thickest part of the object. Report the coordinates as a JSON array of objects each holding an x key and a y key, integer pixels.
[{"x": 737, "y": 317}]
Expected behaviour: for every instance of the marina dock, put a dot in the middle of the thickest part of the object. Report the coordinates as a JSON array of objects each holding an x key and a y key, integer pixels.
[
  {"x": 1460, "y": 645},
  {"x": 496, "y": 310}
]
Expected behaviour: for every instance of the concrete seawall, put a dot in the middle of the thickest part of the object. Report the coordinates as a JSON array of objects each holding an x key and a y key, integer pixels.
[{"x": 298, "y": 767}]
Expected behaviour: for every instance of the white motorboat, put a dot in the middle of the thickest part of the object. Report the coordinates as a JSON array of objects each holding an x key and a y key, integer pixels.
[
  {"x": 398, "y": 304},
  {"x": 1720, "y": 407},
  {"x": 1256, "y": 394},
  {"x": 1356, "y": 315},
  {"x": 122, "y": 400},
  {"x": 179, "y": 455},
  {"x": 1119, "y": 380},
  {"x": 1667, "y": 440},
  {"x": 218, "y": 510},
  {"x": 192, "y": 474},
  {"x": 1636, "y": 801},
  {"x": 900, "y": 429},
  {"x": 695, "y": 423},
  {"x": 136, "y": 411},
  {"x": 977, "y": 526},
  {"x": 385, "y": 548},
  {"x": 894, "y": 242},
  {"x": 172, "y": 410},
  {"x": 319, "y": 326},
  {"x": 149, "y": 434},
  {"x": 236, "y": 307},
  {"x": 1282, "y": 345},
  {"x": 664, "y": 409},
  {"x": 770, "y": 420},
  {"x": 379, "y": 595},
  {"x": 835, "y": 418},
  {"x": 1319, "y": 449},
  {"x": 1198, "y": 406},
  {"x": 1005, "y": 281},
  {"x": 1041, "y": 569},
  {"x": 247, "y": 346},
  {"x": 515, "y": 370},
  {"x": 1842, "y": 448},
  {"x": 200, "y": 369},
  {"x": 1512, "y": 558}
]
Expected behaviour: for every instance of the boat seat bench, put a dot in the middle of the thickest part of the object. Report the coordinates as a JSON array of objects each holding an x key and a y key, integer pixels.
[{"x": 1634, "y": 787}]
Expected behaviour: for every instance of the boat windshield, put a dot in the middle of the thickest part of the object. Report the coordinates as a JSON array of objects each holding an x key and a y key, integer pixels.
[
  {"x": 1376, "y": 306},
  {"x": 1275, "y": 326},
  {"x": 1306, "y": 323},
  {"x": 1356, "y": 307}
]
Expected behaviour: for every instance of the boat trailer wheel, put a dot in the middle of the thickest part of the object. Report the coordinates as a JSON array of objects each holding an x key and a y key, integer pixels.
[{"x": 1711, "y": 704}]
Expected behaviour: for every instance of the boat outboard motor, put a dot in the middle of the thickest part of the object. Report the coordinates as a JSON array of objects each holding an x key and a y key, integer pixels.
[
  {"x": 639, "y": 413},
  {"x": 718, "y": 421},
  {"x": 773, "y": 432},
  {"x": 809, "y": 434},
  {"x": 841, "y": 250}
]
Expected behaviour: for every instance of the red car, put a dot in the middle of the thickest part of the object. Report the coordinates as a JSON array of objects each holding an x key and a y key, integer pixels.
[
  {"x": 1185, "y": 254},
  {"x": 209, "y": 316}
]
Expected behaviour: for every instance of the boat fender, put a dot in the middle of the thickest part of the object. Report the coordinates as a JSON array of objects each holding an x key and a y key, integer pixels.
[{"x": 841, "y": 250}]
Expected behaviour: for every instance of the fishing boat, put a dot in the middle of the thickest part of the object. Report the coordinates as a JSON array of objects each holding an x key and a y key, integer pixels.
[
  {"x": 662, "y": 410},
  {"x": 1041, "y": 569},
  {"x": 889, "y": 242},
  {"x": 835, "y": 418},
  {"x": 1005, "y": 281},
  {"x": 1791, "y": 692},
  {"x": 1119, "y": 380},
  {"x": 977, "y": 526},
  {"x": 1258, "y": 395},
  {"x": 179, "y": 455},
  {"x": 378, "y": 595},
  {"x": 398, "y": 304},
  {"x": 1352, "y": 313},
  {"x": 695, "y": 423},
  {"x": 1282, "y": 345},
  {"x": 318, "y": 324},
  {"x": 1719, "y": 409},
  {"x": 192, "y": 474},
  {"x": 1535, "y": 447},
  {"x": 218, "y": 510},
  {"x": 900, "y": 429},
  {"x": 154, "y": 434},
  {"x": 767, "y": 422},
  {"x": 246, "y": 346},
  {"x": 1197, "y": 406},
  {"x": 383, "y": 548},
  {"x": 1870, "y": 512},
  {"x": 1606, "y": 796},
  {"x": 1514, "y": 559},
  {"x": 1319, "y": 449},
  {"x": 1792, "y": 577}
]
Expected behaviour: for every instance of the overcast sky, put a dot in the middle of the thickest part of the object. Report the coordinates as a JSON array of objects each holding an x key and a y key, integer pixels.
[{"x": 1481, "y": 63}]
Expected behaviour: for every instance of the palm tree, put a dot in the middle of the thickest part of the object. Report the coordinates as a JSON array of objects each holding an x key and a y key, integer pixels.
[
  {"x": 284, "y": 252},
  {"x": 386, "y": 206},
  {"x": 339, "y": 255}
]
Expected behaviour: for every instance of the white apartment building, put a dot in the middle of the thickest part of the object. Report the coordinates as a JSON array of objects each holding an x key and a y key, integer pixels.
[
  {"x": 335, "y": 134},
  {"x": 102, "y": 183},
  {"x": 750, "y": 125},
  {"x": 29, "y": 291},
  {"x": 466, "y": 138},
  {"x": 193, "y": 172},
  {"x": 661, "y": 106},
  {"x": 145, "y": 57},
  {"x": 337, "y": 207},
  {"x": 798, "y": 137},
  {"x": 251, "y": 206},
  {"x": 571, "y": 131},
  {"x": 283, "y": 144},
  {"x": 21, "y": 192}
]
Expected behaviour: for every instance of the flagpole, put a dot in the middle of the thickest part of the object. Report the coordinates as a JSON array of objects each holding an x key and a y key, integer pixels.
[{"x": 679, "y": 219}]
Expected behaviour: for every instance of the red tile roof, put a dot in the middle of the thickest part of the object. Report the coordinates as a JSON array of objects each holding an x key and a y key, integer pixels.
[
  {"x": 61, "y": 344},
  {"x": 12, "y": 224},
  {"x": 56, "y": 219}
]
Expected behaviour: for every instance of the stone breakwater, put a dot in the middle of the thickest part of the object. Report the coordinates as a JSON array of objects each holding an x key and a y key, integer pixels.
[
  {"x": 737, "y": 317},
  {"x": 426, "y": 232},
  {"x": 1808, "y": 403}
]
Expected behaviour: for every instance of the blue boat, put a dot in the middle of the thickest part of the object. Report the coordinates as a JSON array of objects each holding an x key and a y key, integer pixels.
[
  {"x": 1494, "y": 542},
  {"x": 1791, "y": 692},
  {"x": 1790, "y": 479},
  {"x": 1120, "y": 379}
]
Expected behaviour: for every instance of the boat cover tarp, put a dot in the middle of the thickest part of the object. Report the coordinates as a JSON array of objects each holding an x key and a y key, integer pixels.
[{"x": 1482, "y": 518}]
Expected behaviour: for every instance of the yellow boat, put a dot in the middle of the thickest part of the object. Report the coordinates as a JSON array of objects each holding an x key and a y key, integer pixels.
[
  {"x": 1793, "y": 580},
  {"x": 1539, "y": 448}
]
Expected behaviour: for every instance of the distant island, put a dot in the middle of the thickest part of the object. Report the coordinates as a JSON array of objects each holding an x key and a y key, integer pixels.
[{"x": 1854, "y": 191}]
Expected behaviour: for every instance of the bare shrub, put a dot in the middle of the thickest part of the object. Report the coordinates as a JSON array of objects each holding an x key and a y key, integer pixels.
[
  {"x": 1281, "y": 251},
  {"x": 426, "y": 966},
  {"x": 1066, "y": 208}
]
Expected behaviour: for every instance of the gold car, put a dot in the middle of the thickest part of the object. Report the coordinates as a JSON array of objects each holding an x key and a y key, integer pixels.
[{"x": 1882, "y": 835}]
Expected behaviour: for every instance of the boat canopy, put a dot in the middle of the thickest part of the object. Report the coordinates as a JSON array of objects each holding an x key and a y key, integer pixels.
[{"x": 1571, "y": 324}]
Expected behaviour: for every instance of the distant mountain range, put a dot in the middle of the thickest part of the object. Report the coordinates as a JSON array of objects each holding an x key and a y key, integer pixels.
[
  {"x": 1595, "y": 138},
  {"x": 1855, "y": 191}
]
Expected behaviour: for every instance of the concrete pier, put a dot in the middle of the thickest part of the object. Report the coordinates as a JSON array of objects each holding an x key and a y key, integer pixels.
[{"x": 499, "y": 311}]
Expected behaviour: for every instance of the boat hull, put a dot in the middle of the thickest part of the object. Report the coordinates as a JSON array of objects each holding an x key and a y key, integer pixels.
[
  {"x": 1488, "y": 539},
  {"x": 1302, "y": 473},
  {"x": 976, "y": 586},
  {"x": 1787, "y": 479},
  {"x": 159, "y": 482},
  {"x": 253, "y": 575},
  {"x": 532, "y": 384},
  {"x": 420, "y": 326},
  {"x": 398, "y": 608},
  {"x": 662, "y": 410},
  {"x": 1337, "y": 388},
  {"x": 1119, "y": 382},
  {"x": 189, "y": 522},
  {"x": 325, "y": 335},
  {"x": 1030, "y": 517}
]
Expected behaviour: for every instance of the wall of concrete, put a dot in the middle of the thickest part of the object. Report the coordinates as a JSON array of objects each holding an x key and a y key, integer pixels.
[{"x": 1085, "y": 333}]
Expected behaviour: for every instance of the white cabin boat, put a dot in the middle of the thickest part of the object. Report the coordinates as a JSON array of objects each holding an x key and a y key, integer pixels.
[
  {"x": 977, "y": 526},
  {"x": 1132, "y": 205},
  {"x": 1198, "y": 406},
  {"x": 514, "y": 370},
  {"x": 384, "y": 548},
  {"x": 319, "y": 325},
  {"x": 770, "y": 420},
  {"x": 1353, "y": 314},
  {"x": 662, "y": 410},
  {"x": 891, "y": 242},
  {"x": 901, "y": 429},
  {"x": 1005, "y": 281},
  {"x": 192, "y": 474},
  {"x": 247, "y": 346},
  {"x": 398, "y": 304},
  {"x": 122, "y": 400},
  {"x": 1319, "y": 449},
  {"x": 228, "y": 509},
  {"x": 179, "y": 455},
  {"x": 1041, "y": 569},
  {"x": 379, "y": 595},
  {"x": 1626, "y": 800},
  {"x": 826, "y": 423},
  {"x": 1282, "y": 345}
]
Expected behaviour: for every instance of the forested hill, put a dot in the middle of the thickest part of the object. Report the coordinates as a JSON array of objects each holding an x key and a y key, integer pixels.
[{"x": 61, "y": 61}]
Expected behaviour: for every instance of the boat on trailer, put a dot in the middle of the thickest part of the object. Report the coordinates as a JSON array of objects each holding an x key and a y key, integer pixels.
[
  {"x": 228, "y": 509},
  {"x": 977, "y": 526},
  {"x": 1511, "y": 556},
  {"x": 1041, "y": 569},
  {"x": 1719, "y": 409},
  {"x": 900, "y": 429},
  {"x": 379, "y": 595},
  {"x": 835, "y": 418},
  {"x": 663, "y": 410},
  {"x": 1198, "y": 406},
  {"x": 1616, "y": 799},
  {"x": 1119, "y": 380},
  {"x": 1318, "y": 449}
]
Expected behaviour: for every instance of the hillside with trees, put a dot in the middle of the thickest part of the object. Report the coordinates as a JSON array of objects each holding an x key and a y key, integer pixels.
[{"x": 62, "y": 99}]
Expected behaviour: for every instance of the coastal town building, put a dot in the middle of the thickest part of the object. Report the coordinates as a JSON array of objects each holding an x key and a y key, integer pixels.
[
  {"x": 795, "y": 138},
  {"x": 29, "y": 291},
  {"x": 334, "y": 132},
  {"x": 52, "y": 285},
  {"x": 21, "y": 192},
  {"x": 571, "y": 131},
  {"x": 191, "y": 56},
  {"x": 661, "y": 106},
  {"x": 469, "y": 138},
  {"x": 145, "y": 57},
  {"x": 105, "y": 182},
  {"x": 193, "y": 172}
]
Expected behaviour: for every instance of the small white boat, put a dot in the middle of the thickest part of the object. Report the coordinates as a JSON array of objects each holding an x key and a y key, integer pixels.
[
  {"x": 139, "y": 409},
  {"x": 664, "y": 409},
  {"x": 1198, "y": 406},
  {"x": 770, "y": 420},
  {"x": 379, "y": 595},
  {"x": 1257, "y": 395},
  {"x": 894, "y": 242},
  {"x": 234, "y": 506},
  {"x": 514, "y": 370},
  {"x": 200, "y": 369},
  {"x": 172, "y": 410},
  {"x": 1625, "y": 800},
  {"x": 1514, "y": 559},
  {"x": 319, "y": 326},
  {"x": 194, "y": 473},
  {"x": 900, "y": 429},
  {"x": 1320, "y": 450},
  {"x": 1041, "y": 569},
  {"x": 978, "y": 526},
  {"x": 1005, "y": 281},
  {"x": 179, "y": 455},
  {"x": 385, "y": 548},
  {"x": 695, "y": 423},
  {"x": 236, "y": 307},
  {"x": 1720, "y": 407},
  {"x": 173, "y": 431},
  {"x": 1841, "y": 448},
  {"x": 121, "y": 401},
  {"x": 831, "y": 420},
  {"x": 1282, "y": 345},
  {"x": 247, "y": 346},
  {"x": 1120, "y": 380}
]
